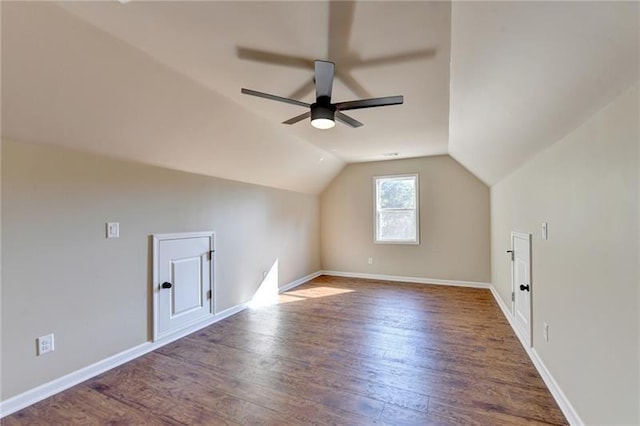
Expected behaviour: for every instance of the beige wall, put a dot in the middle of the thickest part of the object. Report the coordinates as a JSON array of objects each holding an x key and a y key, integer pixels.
[
  {"x": 454, "y": 223},
  {"x": 585, "y": 276},
  {"x": 61, "y": 275}
]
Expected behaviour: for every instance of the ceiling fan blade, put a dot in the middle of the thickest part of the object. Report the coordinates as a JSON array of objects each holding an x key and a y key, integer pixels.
[
  {"x": 303, "y": 90},
  {"x": 340, "y": 23},
  {"x": 297, "y": 118},
  {"x": 345, "y": 119},
  {"x": 347, "y": 79},
  {"x": 274, "y": 97},
  {"x": 399, "y": 57},
  {"x": 324, "y": 78},
  {"x": 369, "y": 103},
  {"x": 274, "y": 58}
]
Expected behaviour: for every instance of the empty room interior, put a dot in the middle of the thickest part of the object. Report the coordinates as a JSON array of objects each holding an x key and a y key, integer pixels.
[{"x": 320, "y": 212}]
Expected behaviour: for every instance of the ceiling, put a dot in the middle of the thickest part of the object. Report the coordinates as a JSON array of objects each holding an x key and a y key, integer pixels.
[
  {"x": 525, "y": 74},
  {"x": 491, "y": 83}
]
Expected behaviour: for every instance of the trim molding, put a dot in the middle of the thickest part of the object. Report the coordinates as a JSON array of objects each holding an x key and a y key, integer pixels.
[
  {"x": 60, "y": 384},
  {"x": 404, "y": 279},
  {"x": 557, "y": 393},
  {"x": 298, "y": 282}
]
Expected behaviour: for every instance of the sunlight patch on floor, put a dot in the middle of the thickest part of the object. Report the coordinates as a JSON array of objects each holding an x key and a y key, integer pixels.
[
  {"x": 314, "y": 292},
  {"x": 287, "y": 298},
  {"x": 268, "y": 291}
]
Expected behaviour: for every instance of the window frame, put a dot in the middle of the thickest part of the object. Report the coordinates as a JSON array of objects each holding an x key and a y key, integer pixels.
[{"x": 416, "y": 178}]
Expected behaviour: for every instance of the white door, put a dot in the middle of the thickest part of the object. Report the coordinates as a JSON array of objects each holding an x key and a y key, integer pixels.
[
  {"x": 521, "y": 284},
  {"x": 183, "y": 281}
]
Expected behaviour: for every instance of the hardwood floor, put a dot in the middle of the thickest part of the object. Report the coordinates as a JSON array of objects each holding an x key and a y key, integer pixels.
[{"x": 333, "y": 351}]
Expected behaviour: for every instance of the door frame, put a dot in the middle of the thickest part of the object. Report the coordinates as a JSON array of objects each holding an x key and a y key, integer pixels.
[
  {"x": 155, "y": 284},
  {"x": 514, "y": 287}
]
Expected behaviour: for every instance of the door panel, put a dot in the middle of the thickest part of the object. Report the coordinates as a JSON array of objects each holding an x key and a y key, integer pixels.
[
  {"x": 186, "y": 293},
  {"x": 185, "y": 263},
  {"x": 521, "y": 283}
]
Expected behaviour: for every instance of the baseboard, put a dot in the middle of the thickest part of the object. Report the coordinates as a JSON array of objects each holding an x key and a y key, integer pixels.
[
  {"x": 561, "y": 399},
  {"x": 399, "y": 278},
  {"x": 55, "y": 386},
  {"x": 46, "y": 390},
  {"x": 298, "y": 282}
]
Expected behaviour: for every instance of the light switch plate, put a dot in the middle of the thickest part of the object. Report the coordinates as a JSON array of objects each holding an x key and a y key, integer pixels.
[
  {"x": 113, "y": 229},
  {"x": 545, "y": 233}
]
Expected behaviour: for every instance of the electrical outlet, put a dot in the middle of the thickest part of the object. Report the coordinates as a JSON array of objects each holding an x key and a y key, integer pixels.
[
  {"x": 45, "y": 344},
  {"x": 370, "y": 261},
  {"x": 545, "y": 331}
]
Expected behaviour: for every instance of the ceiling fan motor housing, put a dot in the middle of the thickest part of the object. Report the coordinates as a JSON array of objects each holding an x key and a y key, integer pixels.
[{"x": 323, "y": 109}]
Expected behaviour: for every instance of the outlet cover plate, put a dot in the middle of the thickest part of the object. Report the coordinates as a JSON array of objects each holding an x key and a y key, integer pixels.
[{"x": 45, "y": 344}]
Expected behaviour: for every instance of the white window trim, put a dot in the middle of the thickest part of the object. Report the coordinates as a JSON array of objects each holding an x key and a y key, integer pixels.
[{"x": 375, "y": 209}]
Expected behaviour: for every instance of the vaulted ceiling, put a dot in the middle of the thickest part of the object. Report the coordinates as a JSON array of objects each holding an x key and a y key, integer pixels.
[{"x": 491, "y": 83}]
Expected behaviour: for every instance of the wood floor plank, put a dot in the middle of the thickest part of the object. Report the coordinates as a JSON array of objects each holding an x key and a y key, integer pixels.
[
  {"x": 272, "y": 371},
  {"x": 428, "y": 358},
  {"x": 334, "y": 351},
  {"x": 312, "y": 374}
]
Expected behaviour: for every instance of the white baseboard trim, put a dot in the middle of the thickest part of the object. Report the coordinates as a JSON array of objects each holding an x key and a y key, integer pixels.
[
  {"x": 298, "y": 282},
  {"x": 46, "y": 390},
  {"x": 563, "y": 402},
  {"x": 399, "y": 278},
  {"x": 60, "y": 384}
]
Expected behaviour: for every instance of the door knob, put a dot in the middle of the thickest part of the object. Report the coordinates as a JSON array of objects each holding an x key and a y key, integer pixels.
[
  {"x": 524, "y": 287},
  {"x": 166, "y": 285}
]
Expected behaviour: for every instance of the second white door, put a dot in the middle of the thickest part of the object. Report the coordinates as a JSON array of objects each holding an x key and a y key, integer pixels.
[{"x": 521, "y": 283}]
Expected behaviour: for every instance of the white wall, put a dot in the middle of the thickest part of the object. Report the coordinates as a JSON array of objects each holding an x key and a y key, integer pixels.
[
  {"x": 585, "y": 277},
  {"x": 454, "y": 223},
  {"x": 61, "y": 275}
]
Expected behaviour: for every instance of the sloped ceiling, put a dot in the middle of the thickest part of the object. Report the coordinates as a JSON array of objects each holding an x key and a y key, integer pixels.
[
  {"x": 525, "y": 74},
  {"x": 492, "y": 83}
]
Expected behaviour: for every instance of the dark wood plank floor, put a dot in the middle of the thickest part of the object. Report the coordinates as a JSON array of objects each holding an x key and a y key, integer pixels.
[{"x": 334, "y": 351}]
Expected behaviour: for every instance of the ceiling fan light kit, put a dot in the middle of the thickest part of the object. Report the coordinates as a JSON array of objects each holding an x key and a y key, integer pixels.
[
  {"x": 322, "y": 123},
  {"x": 323, "y": 113},
  {"x": 323, "y": 116}
]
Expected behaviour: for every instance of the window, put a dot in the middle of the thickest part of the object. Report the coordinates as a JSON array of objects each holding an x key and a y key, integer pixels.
[{"x": 396, "y": 199}]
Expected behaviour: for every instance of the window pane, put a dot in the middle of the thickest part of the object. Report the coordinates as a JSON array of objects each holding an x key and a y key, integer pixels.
[
  {"x": 397, "y": 193},
  {"x": 397, "y": 225}
]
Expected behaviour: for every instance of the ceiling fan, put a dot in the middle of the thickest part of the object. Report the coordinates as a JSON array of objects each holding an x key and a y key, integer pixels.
[
  {"x": 339, "y": 51},
  {"x": 323, "y": 113}
]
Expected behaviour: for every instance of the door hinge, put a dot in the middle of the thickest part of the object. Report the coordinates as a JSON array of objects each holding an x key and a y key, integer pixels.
[
  {"x": 209, "y": 294},
  {"x": 513, "y": 296}
]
